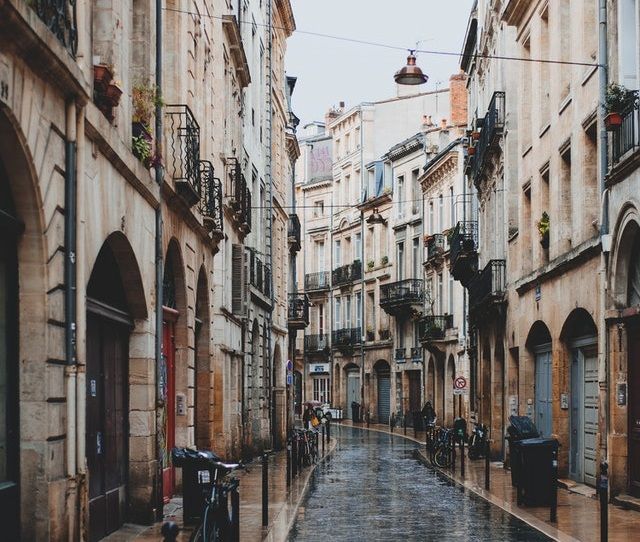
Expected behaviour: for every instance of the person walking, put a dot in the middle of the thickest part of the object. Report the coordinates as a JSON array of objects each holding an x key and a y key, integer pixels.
[{"x": 428, "y": 414}]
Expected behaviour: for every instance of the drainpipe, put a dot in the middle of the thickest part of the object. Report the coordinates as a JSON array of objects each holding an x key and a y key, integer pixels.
[{"x": 159, "y": 175}]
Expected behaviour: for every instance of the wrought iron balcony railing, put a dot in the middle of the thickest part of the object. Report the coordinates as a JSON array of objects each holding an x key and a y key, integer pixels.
[
  {"x": 298, "y": 311},
  {"x": 384, "y": 334},
  {"x": 316, "y": 343},
  {"x": 434, "y": 327},
  {"x": 463, "y": 256},
  {"x": 400, "y": 354},
  {"x": 316, "y": 281},
  {"x": 293, "y": 233},
  {"x": 345, "y": 338},
  {"x": 416, "y": 353},
  {"x": 211, "y": 202},
  {"x": 626, "y": 137},
  {"x": 60, "y": 18},
  {"x": 183, "y": 148},
  {"x": 259, "y": 274},
  {"x": 240, "y": 200},
  {"x": 488, "y": 285},
  {"x": 347, "y": 273},
  {"x": 401, "y": 297},
  {"x": 436, "y": 246},
  {"x": 492, "y": 127}
]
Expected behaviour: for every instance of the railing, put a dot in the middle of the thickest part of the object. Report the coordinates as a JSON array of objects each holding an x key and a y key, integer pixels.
[
  {"x": 60, "y": 18},
  {"x": 434, "y": 327},
  {"x": 259, "y": 274},
  {"x": 384, "y": 334},
  {"x": 416, "y": 353},
  {"x": 316, "y": 281},
  {"x": 316, "y": 343},
  {"x": 490, "y": 282},
  {"x": 184, "y": 152},
  {"x": 298, "y": 308},
  {"x": 246, "y": 210},
  {"x": 492, "y": 126},
  {"x": 436, "y": 244},
  {"x": 403, "y": 291},
  {"x": 400, "y": 354},
  {"x": 347, "y": 273},
  {"x": 463, "y": 239},
  {"x": 346, "y": 336},
  {"x": 626, "y": 137},
  {"x": 211, "y": 202},
  {"x": 293, "y": 233},
  {"x": 241, "y": 199}
]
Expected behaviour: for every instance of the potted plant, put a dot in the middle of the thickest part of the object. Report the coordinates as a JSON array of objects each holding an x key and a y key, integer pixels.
[
  {"x": 370, "y": 264},
  {"x": 543, "y": 230},
  {"x": 141, "y": 147},
  {"x": 370, "y": 335},
  {"x": 475, "y": 135},
  {"x": 471, "y": 151},
  {"x": 102, "y": 76},
  {"x": 616, "y": 100},
  {"x": 113, "y": 93},
  {"x": 384, "y": 260}
]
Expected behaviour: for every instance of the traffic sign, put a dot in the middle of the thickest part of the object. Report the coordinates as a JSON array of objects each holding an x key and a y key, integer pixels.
[
  {"x": 460, "y": 383},
  {"x": 289, "y": 365},
  {"x": 289, "y": 379}
]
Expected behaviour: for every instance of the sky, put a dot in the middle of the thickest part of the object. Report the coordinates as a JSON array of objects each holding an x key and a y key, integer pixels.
[{"x": 330, "y": 71}]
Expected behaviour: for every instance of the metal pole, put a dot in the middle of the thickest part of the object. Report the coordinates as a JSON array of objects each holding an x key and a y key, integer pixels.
[
  {"x": 289, "y": 463},
  {"x": 294, "y": 458},
  {"x": 328, "y": 432},
  {"x": 487, "y": 481},
  {"x": 603, "y": 493},
  {"x": 235, "y": 515},
  {"x": 462, "y": 457},
  {"x": 452, "y": 454},
  {"x": 553, "y": 513},
  {"x": 323, "y": 436},
  {"x": 265, "y": 490}
]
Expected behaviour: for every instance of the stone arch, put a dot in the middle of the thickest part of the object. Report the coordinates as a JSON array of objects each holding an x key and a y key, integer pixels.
[
  {"x": 626, "y": 234},
  {"x": 579, "y": 323},
  {"x": 447, "y": 383},
  {"x": 204, "y": 406},
  {"x": 538, "y": 378}
]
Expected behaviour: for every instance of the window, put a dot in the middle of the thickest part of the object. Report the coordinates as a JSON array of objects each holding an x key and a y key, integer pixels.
[
  {"x": 358, "y": 317},
  {"x": 337, "y": 149},
  {"x": 347, "y": 143},
  {"x": 440, "y": 213},
  {"x": 400, "y": 196},
  {"x": 320, "y": 255},
  {"x": 321, "y": 319},
  {"x": 415, "y": 192},
  {"x": 565, "y": 207},
  {"x": 415, "y": 249},
  {"x": 357, "y": 246},
  {"x": 347, "y": 311},
  {"x": 450, "y": 294},
  {"x": 318, "y": 208},
  {"x": 627, "y": 43},
  {"x": 543, "y": 81},
  {"x": 400, "y": 260},
  {"x": 431, "y": 217},
  {"x": 452, "y": 208},
  {"x": 337, "y": 317},
  {"x": 337, "y": 253},
  {"x": 400, "y": 334},
  {"x": 440, "y": 294},
  {"x": 321, "y": 389},
  {"x": 371, "y": 303}
]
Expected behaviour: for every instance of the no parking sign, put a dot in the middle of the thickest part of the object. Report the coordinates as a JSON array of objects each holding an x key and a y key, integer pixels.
[{"x": 460, "y": 386}]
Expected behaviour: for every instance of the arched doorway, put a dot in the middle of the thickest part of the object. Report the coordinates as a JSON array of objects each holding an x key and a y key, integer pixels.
[
  {"x": 204, "y": 370},
  {"x": 114, "y": 299},
  {"x": 278, "y": 402},
  {"x": 539, "y": 343},
  {"x": 449, "y": 377},
  {"x": 383, "y": 376},
  {"x": 352, "y": 373},
  {"x": 580, "y": 335},
  {"x": 497, "y": 399}
]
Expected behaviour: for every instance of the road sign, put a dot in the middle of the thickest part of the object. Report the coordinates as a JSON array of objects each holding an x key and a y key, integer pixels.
[
  {"x": 460, "y": 383},
  {"x": 289, "y": 379},
  {"x": 289, "y": 365},
  {"x": 457, "y": 391}
]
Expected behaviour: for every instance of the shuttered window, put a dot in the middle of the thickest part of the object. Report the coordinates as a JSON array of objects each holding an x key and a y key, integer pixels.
[{"x": 238, "y": 280}]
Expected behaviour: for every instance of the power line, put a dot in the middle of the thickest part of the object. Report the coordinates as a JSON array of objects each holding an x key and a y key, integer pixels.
[{"x": 397, "y": 47}]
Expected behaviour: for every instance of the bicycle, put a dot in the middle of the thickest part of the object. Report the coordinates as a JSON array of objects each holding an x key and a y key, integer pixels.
[
  {"x": 478, "y": 441},
  {"x": 217, "y": 525},
  {"x": 306, "y": 441},
  {"x": 445, "y": 452}
]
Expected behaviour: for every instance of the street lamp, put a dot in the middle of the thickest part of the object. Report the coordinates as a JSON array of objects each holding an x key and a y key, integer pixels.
[{"x": 410, "y": 74}]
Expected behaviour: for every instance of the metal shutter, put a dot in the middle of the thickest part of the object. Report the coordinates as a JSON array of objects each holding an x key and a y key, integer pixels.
[{"x": 238, "y": 288}]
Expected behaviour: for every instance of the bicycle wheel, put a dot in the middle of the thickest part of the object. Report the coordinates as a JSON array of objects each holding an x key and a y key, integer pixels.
[
  {"x": 473, "y": 451},
  {"x": 198, "y": 535},
  {"x": 443, "y": 457}
]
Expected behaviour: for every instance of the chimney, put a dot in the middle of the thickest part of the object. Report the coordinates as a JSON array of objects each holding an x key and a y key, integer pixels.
[
  {"x": 458, "y": 99},
  {"x": 342, "y": 105},
  {"x": 330, "y": 115}
]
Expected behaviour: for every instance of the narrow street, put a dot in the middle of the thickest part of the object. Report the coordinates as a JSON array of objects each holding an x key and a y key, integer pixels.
[{"x": 373, "y": 488}]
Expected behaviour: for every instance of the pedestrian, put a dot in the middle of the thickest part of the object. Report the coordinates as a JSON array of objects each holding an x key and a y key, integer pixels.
[
  {"x": 309, "y": 418},
  {"x": 428, "y": 414}
]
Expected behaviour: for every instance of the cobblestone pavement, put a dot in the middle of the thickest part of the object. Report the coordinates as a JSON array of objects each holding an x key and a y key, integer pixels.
[{"x": 373, "y": 488}]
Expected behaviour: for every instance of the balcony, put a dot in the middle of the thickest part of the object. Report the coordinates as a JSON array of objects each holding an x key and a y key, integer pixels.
[
  {"x": 399, "y": 355},
  {"x": 416, "y": 354},
  {"x": 385, "y": 334},
  {"x": 314, "y": 282},
  {"x": 492, "y": 127},
  {"x": 211, "y": 202},
  {"x": 316, "y": 343},
  {"x": 463, "y": 256},
  {"x": 487, "y": 289},
  {"x": 293, "y": 233},
  {"x": 298, "y": 311},
  {"x": 183, "y": 152},
  {"x": 402, "y": 298},
  {"x": 345, "y": 339},
  {"x": 60, "y": 18},
  {"x": 434, "y": 327},
  {"x": 436, "y": 247},
  {"x": 626, "y": 137},
  {"x": 346, "y": 274},
  {"x": 240, "y": 200},
  {"x": 259, "y": 274}
]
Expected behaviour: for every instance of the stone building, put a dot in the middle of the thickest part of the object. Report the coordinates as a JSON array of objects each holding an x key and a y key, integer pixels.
[{"x": 121, "y": 226}]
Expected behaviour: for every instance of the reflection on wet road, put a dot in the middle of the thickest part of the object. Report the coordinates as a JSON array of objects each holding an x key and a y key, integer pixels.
[{"x": 372, "y": 488}]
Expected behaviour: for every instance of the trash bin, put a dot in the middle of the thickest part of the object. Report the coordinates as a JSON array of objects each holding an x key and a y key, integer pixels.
[
  {"x": 197, "y": 477},
  {"x": 418, "y": 421},
  {"x": 355, "y": 412},
  {"x": 536, "y": 479},
  {"x": 521, "y": 428},
  {"x": 460, "y": 429}
]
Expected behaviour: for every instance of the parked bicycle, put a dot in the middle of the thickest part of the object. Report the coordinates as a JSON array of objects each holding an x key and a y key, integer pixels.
[
  {"x": 444, "y": 452},
  {"x": 478, "y": 441},
  {"x": 305, "y": 442}
]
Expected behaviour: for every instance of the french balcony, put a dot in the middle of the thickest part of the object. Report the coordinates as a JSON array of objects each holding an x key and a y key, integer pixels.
[
  {"x": 316, "y": 343},
  {"x": 183, "y": 152},
  {"x": 492, "y": 128},
  {"x": 625, "y": 139},
  {"x": 298, "y": 311},
  {"x": 315, "y": 282},
  {"x": 384, "y": 334},
  {"x": 346, "y": 339},
  {"x": 60, "y": 18},
  {"x": 240, "y": 200},
  {"x": 487, "y": 289},
  {"x": 402, "y": 298},
  {"x": 433, "y": 328},
  {"x": 259, "y": 274},
  {"x": 346, "y": 274},
  {"x": 293, "y": 233},
  {"x": 463, "y": 255},
  {"x": 400, "y": 355},
  {"x": 211, "y": 202},
  {"x": 416, "y": 354},
  {"x": 436, "y": 247}
]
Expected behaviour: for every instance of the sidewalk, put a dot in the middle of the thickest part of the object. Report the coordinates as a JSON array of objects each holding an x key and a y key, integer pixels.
[
  {"x": 283, "y": 504},
  {"x": 578, "y": 515}
]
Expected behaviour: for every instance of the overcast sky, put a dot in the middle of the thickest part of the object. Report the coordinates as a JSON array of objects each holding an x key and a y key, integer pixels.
[{"x": 330, "y": 71}]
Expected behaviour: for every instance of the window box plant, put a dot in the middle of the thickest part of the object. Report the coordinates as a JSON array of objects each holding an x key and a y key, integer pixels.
[
  {"x": 616, "y": 100},
  {"x": 113, "y": 93},
  {"x": 471, "y": 151},
  {"x": 543, "y": 230},
  {"x": 384, "y": 260},
  {"x": 102, "y": 76},
  {"x": 370, "y": 264}
]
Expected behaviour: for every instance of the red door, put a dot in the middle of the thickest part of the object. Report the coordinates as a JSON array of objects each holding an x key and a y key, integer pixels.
[
  {"x": 169, "y": 388},
  {"x": 634, "y": 411}
]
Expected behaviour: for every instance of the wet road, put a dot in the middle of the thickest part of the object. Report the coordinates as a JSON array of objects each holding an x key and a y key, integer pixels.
[{"x": 373, "y": 488}]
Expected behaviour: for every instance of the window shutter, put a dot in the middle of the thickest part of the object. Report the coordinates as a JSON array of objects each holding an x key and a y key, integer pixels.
[{"x": 238, "y": 280}]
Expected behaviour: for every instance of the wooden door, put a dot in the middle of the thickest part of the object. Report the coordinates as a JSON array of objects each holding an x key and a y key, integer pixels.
[
  {"x": 634, "y": 411},
  {"x": 353, "y": 390},
  {"x": 169, "y": 392},
  {"x": 107, "y": 428},
  {"x": 414, "y": 391},
  {"x": 543, "y": 393}
]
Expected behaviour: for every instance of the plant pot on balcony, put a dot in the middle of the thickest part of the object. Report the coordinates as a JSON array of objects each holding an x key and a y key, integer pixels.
[
  {"x": 112, "y": 94},
  {"x": 612, "y": 121},
  {"x": 471, "y": 151},
  {"x": 102, "y": 76},
  {"x": 544, "y": 240},
  {"x": 139, "y": 129},
  {"x": 475, "y": 136}
]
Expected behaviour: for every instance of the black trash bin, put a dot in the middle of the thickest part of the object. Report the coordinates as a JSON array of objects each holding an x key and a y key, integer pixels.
[
  {"x": 521, "y": 428},
  {"x": 355, "y": 412},
  {"x": 197, "y": 477},
  {"x": 536, "y": 479}
]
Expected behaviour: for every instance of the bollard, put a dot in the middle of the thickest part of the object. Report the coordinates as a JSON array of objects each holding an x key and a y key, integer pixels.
[
  {"x": 235, "y": 515},
  {"x": 368, "y": 418},
  {"x": 603, "y": 494},
  {"x": 294, "y": 457},
  {"x": 328, "y": 432},
  {"x": 404, "y": 423},
  {"x": 265, "y": 490},
  {"x": 323, "y": 440},
  {"x": 462, "y": 457},
  {"x": 452, "y": 453},
  {"x": 289, "y": 463},
  {"x": 553, "y": 512},
  {"x": 487, "y": 453}
]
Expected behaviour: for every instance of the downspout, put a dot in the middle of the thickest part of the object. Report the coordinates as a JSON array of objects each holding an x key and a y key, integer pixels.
[{"x": 159, "y": 175}]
